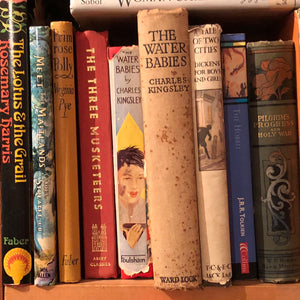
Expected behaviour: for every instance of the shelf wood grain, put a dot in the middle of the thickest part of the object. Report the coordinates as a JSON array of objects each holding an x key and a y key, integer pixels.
[{"x": 117, "y": 289}]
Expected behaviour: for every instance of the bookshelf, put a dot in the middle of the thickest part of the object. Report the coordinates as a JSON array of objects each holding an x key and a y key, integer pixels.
[
  {"x": 117, "y": 289},
  {"x": 143, "y": 289}
]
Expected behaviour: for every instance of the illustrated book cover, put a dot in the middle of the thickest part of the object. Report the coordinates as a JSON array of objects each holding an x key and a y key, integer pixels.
[
  {"x": 134, "y": 243},
  {"x": 235, "y": 98},
  {"x": 210, "y": 152},
  {"x": 43, "y": 157}
]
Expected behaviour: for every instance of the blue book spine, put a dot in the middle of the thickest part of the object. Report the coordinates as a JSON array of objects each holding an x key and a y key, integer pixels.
[
  {"x": 44, "y": 212},
  {"x": 241, "y": 212}
]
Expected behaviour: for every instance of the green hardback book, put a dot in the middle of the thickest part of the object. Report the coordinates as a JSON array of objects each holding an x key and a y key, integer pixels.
[{"x": 274, "y": 152}]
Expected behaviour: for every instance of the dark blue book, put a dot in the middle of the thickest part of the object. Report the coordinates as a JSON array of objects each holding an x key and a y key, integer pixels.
[{"x": 242, "y": 235}]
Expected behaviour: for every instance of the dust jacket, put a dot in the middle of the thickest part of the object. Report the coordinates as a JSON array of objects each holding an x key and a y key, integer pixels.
[
  {"x": 134, "y": 243},
  {"x": 210, "y": 153},
  {"x": 239, "y": 176},
  {"x": 43, "y": 157},
  {"x": 16, "y": 189}
]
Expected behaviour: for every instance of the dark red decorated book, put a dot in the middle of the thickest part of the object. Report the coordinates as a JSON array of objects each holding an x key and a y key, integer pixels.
[{"x": 96, "y": 161}]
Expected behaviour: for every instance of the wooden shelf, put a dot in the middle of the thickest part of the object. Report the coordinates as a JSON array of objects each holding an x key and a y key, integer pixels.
[{"x": 119, "y": 289}]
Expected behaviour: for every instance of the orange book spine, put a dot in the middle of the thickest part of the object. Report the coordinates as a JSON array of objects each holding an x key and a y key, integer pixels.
[{"x": 66, "y": 151}]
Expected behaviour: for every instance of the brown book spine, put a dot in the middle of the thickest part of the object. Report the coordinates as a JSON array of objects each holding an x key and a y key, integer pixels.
[
  {"x": 66, "y": 151},
  {"x": 169, "y": 147}
]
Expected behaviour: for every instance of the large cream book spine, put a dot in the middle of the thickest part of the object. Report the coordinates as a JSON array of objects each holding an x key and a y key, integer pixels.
[
  {"x": 210, "y": 153},
  {"x": 169, "y": 147}
]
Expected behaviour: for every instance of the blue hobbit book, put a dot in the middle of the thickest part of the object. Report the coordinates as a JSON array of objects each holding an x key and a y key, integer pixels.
[
  {"x": 242, "y": 235},
  {"x": 44, "y": 212}
]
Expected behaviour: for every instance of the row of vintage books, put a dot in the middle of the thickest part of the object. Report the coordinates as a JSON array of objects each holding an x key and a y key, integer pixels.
[{"x": 176, "y": 158}]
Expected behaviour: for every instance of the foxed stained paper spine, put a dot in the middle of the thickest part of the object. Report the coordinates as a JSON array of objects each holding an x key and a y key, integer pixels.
[
  {"x": 96, "y": 161},
  {"x": 66, "y": 151},
  {"x": 127, "y": 117},
  {"x": 42, "y": 124},
  {"x": 275, "y": 153},
  {"x": 15, "y": 164},
  {"x": 210, "y": 153},
  {"x": 169, "y": 147}
]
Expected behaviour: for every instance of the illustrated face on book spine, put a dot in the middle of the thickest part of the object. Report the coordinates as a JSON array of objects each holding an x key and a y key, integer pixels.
[
  {"x": 131, "y": 183},
  {"x": 131, "y": 178}
]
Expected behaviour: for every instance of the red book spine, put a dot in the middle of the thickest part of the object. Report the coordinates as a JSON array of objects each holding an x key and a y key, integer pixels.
[{"x": 96, "y": 161}]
